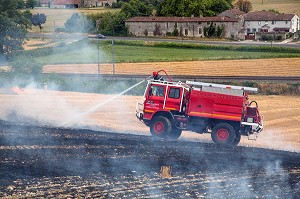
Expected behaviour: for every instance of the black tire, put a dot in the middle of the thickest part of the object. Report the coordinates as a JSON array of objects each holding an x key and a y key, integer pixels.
[
  {"x": 175, "y": 133},
  {"x": 160, "y": 127},
  {"x": 223, "y": 133},
  {"x": 237, "y": 139}
]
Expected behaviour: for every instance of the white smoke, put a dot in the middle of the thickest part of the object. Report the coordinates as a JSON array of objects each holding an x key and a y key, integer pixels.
[{"x": 36, "y": 106}]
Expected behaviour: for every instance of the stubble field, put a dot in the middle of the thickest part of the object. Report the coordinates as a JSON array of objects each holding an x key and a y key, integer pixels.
[
  {"x": 56, "y": 17},
  {"x": 252, "y": 67},
  {"x": 54, "y": 108}
]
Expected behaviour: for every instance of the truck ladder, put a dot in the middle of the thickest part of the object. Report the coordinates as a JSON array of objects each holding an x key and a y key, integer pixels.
[{"x": 223, "y": 86}]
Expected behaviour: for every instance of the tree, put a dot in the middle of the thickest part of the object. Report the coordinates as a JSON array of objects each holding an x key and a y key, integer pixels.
[
  {"x": 136, "y": 8},
  {"x": 74, "y": 23},
  {"x": 110, "y": 23},
  {"x": 38, "y": 19},
  {"x": 244, "y": 5},
  {"x": 187, "y": 8},
  {"x": 78, "y": 23},
  {"x": 219, "y": 6},
  {"x": 20, "y": 4},
  {"x": 13, "y": 26},
  {"x": 31, "y": 4},
  {"x": 275, "y": 11}
]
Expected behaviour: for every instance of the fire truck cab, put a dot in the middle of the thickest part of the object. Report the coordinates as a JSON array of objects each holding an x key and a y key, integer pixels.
[{"x": 224, "y": 111}]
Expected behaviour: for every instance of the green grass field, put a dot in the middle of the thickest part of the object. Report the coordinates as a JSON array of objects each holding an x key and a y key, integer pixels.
[{"x": 129, "y": 53}]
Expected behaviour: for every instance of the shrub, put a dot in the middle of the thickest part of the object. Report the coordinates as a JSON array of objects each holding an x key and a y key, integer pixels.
[
  {"x": 267, "y": 37},
  {"x": 279, "y": 37},
  {"x": 146, "y": 32},
  {"x": 156, "y": 31}
]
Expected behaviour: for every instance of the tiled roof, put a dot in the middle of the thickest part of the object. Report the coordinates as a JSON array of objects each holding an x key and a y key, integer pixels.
[
  {"x": 64, "y": 2},
  {"x": 236, "y": 11},
  {"x": 267, "y": 16},
  {"x": 231, "y": 13},
  {"x": 182, "y": 19},
  {"x": 281, "y": 29}
]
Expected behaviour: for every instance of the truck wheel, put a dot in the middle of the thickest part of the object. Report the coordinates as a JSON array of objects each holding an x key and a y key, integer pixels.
[
  {"x": 175, "y": 133},
  {"x": 160, "y": 127},
  {"x": 223, "y": 133},
  {"x": 237, "y": 139}
]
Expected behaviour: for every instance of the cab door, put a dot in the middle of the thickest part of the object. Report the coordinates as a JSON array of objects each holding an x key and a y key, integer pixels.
[
  {"x": 154, "y": 101},
  {"x": 174, "y": 98}
]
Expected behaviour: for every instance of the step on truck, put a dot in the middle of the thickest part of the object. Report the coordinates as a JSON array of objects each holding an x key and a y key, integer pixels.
[{"x": 224, "y": 111}]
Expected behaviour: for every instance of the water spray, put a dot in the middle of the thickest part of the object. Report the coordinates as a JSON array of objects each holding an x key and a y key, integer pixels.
[{"x": 96, "y": 107}]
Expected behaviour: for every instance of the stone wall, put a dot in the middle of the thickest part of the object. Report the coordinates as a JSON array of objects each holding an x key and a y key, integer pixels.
[{"x": 187, "y": 29}]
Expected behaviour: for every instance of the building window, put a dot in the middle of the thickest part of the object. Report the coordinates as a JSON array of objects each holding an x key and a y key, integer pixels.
[
  {"x": 174, "y": 93},
  {"x": 186, "y": 31},
  {"x": 200, "y": 31},
  {"x": 248, "y": 30},
  {"x": 199, "y": 23},
  {"x": 286, "y": 22},
  {"x": 253, "y": 30},
  {"x": 273, "y": 22},
  {"x": 208, "y": 23}
]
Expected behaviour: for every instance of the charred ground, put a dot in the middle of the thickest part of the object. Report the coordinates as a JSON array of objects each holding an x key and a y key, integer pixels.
[{"x": 61, "y": 162}]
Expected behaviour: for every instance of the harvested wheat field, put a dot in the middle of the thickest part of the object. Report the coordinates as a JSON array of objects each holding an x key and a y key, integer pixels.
[
  {"x": 253, "y": 67},
  {"x": 95, "y": 111}
]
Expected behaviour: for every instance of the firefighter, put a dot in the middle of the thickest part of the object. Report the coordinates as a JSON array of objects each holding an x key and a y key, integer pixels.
[{"x": 156, "y": 76}]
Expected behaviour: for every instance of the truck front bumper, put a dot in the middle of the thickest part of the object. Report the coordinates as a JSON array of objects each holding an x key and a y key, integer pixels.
[
  {"x": 139, "y": 110},
  {"x": 255, "y": 128}
]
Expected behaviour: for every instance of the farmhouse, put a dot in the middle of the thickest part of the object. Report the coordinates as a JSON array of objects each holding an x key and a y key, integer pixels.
[
  {"x": 184, "y": 26},
  {"x": 263, "y": 23}
]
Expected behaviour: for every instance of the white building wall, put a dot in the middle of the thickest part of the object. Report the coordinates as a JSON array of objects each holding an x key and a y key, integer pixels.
[
  {"x": 255, "y": 26},
  {"x": 295, "y": 24},
  {"x": 292, "y": 25}
]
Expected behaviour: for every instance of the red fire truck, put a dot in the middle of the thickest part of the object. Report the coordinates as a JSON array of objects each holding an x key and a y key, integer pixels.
[{"x": 224, "y": 111}]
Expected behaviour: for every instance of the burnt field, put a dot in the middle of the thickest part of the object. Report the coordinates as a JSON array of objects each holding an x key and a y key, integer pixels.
[{"x": 78, "y": 163}]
